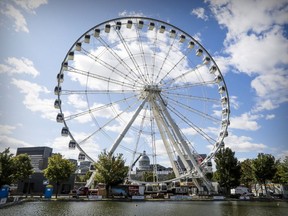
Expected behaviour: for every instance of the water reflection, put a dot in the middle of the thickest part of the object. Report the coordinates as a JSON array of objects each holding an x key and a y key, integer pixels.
[{"x": 150, "y": 208}]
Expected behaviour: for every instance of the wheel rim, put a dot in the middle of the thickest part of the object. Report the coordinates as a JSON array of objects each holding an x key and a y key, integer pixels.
[{"x": 129, "y": 86}]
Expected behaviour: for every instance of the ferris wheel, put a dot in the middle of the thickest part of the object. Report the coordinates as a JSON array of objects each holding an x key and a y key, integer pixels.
[{"x": 136, "y": 84}]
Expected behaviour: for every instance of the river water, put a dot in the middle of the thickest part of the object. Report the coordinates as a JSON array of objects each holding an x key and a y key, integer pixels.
[{"x": 148, "y": 208}]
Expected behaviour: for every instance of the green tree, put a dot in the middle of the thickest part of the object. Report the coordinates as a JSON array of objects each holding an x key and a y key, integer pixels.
[
  {"x": 265, "y": 168},
  {"x": 6, "y": 167},
  {"x": 110, "y": 169},
  {"x": 227, "y": 169},
  {"x": 281, "y": 175},
  {"x": 22, "y": 167},
  {"x": 247, "y": 173},
  {"x": 59, "y": 170}
]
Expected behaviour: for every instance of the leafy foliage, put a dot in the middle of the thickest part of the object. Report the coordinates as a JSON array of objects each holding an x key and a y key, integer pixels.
[
  {"x": 110, "y": 169},
  {"x": 6, "y": 167},
  {"x": 265, "y": 167},
  {"x": 247, "y": 173},
  {"x": 22, "y": 166},
  {"x": 59, "y": 170},
  {"x": 228, "y": 169},
  {"x": 281, "y": 175},
  {"x": 14, "y": 168}
]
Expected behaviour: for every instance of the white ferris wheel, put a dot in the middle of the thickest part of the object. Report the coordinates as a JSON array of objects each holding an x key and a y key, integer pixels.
[{"x": 136, "y": 84}]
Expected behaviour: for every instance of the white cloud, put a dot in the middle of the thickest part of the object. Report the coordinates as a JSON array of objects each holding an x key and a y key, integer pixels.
[
  {"x": 256, "y": 45},
  {"x": 268, "y": 117},
  {"x": 33, "y": 101},
  {"x": 258, "y": 54},
  {"x": 244, "y": 16},
  {"x": 13, "y": 13},
  {"x": 234, "y": 102},
  {"x": 8, "y": 141},
  {"x": 200, "y": 13},
  {"x": 264, "y": 105},
  {"x": 61, "y": 145},
  {"x": 6, "y": 129},
  {"x": 245, "y": 122},
  {"x": 30, "y": 5},
  {"x": 130, "y": 13},
  {"x": 18, "y": 66},
  {"x": 272, "y": 90},
  {"x": 243, "y": 144}
]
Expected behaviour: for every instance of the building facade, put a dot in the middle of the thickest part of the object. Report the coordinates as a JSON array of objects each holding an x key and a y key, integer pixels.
[{"x": 37, "y": 182}]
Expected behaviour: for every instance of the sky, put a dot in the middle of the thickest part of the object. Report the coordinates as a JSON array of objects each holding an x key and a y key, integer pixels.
[{"x": 248, "y": 39}]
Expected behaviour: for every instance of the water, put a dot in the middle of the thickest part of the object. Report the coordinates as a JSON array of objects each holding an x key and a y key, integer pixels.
[{"x": 150, "y": 208}]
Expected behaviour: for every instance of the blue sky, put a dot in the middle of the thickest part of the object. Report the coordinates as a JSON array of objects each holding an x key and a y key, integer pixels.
[{"x": 248, "y": 40}]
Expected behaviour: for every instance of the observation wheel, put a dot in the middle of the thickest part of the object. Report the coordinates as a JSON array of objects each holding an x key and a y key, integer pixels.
[{"x": 143, "y": 87}]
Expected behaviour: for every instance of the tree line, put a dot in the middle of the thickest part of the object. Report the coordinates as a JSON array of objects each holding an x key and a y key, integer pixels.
[
  {"x": 111, "y": 169},
  {"x": 231, "y": 173}
]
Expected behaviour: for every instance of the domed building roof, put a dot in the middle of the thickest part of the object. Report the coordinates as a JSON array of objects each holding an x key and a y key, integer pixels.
[{"x": 144, "y": 162}]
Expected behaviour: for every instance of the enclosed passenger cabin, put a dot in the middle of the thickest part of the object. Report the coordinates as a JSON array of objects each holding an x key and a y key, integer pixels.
[
  {"x": 57, "y": 90},
  {"x": 218, "y": 79},
  {"x": 213, "y": 69},
  {"x": 60, "y": 77},
  {"x": 151, "y": 26},
  {"x": 87, "y": 38},
  {"x": 199, "y": 52},
  {"x": 57, "y": 104},
  {"x": 224, "y": 100},
  {"x": 172, "y": 33},
  {"x": 60, "y": 117},
  {"x": 163, "y": 188},
  {"x": 151, "y": 188},
  {"x": 206, "y": 60},
  {"x": 182, "y": 38},
  {"x": 129, "y": 24},
  {"x": 225, "y": 122},
  {"x": 225, "y": 134},
  {"x": 225, "y": 111},
  {"x": 96, "y": 33},
  {"x": 78, "y": 46},
  {"x": 65, "y": 131},
  {"x": 162, "y": 29},
  {"x": 118, "y": 25},
  {"x": 140, "y": 24},
  {"x": 81, "y": 156},
  {"x": 72, "y": 144},
  {"x": 221, "y": 89},
  {"x": 107, "y": 28},
  {"x": 65, "y": 66},
  {"x": 71, "y": 56},
  {"x": 191, "y": 45}
]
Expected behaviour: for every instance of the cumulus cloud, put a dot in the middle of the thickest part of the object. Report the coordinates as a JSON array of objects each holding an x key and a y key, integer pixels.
[
  {"x": 200, "y": 13},
  {"x": 14, "y": 11},
  {"x": 256, "y": 45},
  {"x": 243, "y": 144},
  {"x": 33, "y": 98},
  {"x": 245, "y": 122},
  {"x": 8, "y": 141},
  {"x": 18, "y": 18},
  {"x": 15, "y": 65},
  {"x": 130, "y": 13},
  {"x": 29, "y": 5}
]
